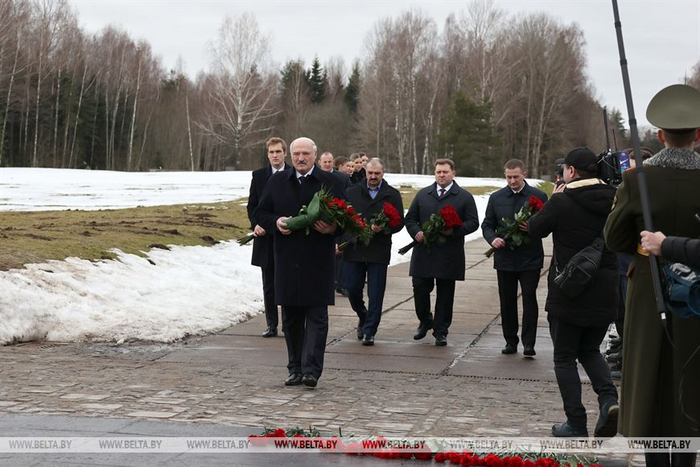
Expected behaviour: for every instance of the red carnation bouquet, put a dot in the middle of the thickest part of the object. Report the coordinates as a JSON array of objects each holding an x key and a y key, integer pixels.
[
  {"x": 387, "y": 219},
  {"x": 434, "y": 228},
  {"x": 511, "y": 233}
]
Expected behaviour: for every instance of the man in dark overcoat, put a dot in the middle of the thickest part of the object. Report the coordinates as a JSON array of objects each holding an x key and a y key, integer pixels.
[
  {"x": 519, "y": 264},
  {"x": 262, "y": 244},
  {"x": 444, "y": 264},
  {"x": 661, "y": 380},
  {"x": 575, "y": 216},
  {"x": 370, "y": 261},
  {"x": 303, "y": 262}
]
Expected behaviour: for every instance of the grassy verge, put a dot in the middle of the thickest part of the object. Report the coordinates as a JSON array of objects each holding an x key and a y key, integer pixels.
[
  {"x": 35, "y": 237},
  {"x": 32, "y": 237}
]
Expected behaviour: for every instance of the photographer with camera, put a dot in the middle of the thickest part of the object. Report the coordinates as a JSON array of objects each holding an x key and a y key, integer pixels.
[
  {"x": 661, "y": 381},
  {"x": 575, "y": 216}
]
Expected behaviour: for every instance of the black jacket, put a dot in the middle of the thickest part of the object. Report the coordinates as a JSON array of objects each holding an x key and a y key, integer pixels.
[
  {"x": 304, "y": 264},
  {"x": 575, "y": 218},
  {"x": 262, "y": 246},
  {"x": 379, "y": 248},
  {"x": 345, "y": 181},
  {"x": 358, "y": 176},
  {"x": 682, "y": 250},
  {"x": 505, "y": 203},
  {"x": 445, "y": 261}
]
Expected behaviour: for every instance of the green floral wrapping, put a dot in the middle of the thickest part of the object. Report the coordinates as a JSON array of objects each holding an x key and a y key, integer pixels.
[{"x": 307, "y": 215}]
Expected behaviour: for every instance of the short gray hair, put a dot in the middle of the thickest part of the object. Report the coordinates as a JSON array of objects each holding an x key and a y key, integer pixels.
[{"x": 304, "y": 138}]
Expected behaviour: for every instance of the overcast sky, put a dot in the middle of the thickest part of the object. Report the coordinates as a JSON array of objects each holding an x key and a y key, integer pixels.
[{"x": 662, "y": 37}]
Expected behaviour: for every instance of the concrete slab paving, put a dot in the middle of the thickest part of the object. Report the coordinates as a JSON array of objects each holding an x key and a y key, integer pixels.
[{"x": 232, "y": 382}]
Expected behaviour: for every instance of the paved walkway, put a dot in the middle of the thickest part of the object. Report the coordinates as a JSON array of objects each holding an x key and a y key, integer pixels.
[{"x": 234, "y": 379}]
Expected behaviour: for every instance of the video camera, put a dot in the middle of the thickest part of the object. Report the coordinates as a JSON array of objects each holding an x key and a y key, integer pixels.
[{"x": 611, "y": 165}]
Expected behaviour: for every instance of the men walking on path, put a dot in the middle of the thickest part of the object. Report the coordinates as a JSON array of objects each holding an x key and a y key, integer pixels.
[
  {"x": 442, "y": 264},
  {"x": 515, "y": 264},
  {"x": 262, "y": 244},
  {"x": 368, "y": 197}
]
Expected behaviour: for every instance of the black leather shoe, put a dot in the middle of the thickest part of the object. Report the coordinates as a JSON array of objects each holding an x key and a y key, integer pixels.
[
  {"x": 529, "y": 351},
  {"x": 360, "y": 334},
  {"x": 342, "y": 291},
  {"x": 270, "y": 332},
  {"x": 509, "y": 349},
  {"x": 567, "y": 431},
  {"x": 440, "y": 341},
  {"x": 422, "y": 331},
  {"x": 293, "y": 380},
  {"x": 309, "y": 380},
  {"x": 615, "y": 357},
  {"x": 368, "y": 340},
  {"x": 607, "y": 420}
]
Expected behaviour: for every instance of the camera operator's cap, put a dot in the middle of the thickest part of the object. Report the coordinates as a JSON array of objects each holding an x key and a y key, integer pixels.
[
  {"x": 580, "y": 158},
  {"x": 675, "y": 107}
]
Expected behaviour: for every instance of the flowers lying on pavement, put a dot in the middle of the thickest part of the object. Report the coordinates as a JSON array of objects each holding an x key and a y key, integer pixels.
[{"x": 383, "y": 448}]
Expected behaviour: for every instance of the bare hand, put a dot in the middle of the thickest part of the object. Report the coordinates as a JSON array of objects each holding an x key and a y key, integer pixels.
[
  {"x": 559, "y": 188},
  {"x": 523, "y": 226},
  {"x": 651, "y": 242},
  {"x": 282, "y": 227},
  {"x": 376, "y": 228},
  {"x": 419, "y": 237},
  {"x": 324, "y": 227},
  {"x": 337, "y": 250},
  {"x": 498, "y": 243},
  {"x": 259, "y": 231},
  {"x": 447, "y": 232}
]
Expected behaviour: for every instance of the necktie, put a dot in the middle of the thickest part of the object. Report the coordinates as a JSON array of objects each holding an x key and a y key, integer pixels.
[{"x": 442, "y": 192}]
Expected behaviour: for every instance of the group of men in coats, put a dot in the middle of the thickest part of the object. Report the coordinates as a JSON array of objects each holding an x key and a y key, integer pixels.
[
  {"x": 660, "y": 382},
  {"x": 297, "y": 266}
]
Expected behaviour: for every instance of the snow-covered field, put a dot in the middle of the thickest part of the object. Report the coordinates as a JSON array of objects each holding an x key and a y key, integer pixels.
[{"x": 189, "y": 290}]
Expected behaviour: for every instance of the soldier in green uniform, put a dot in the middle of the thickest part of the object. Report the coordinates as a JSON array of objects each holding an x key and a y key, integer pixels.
[{"x": 661, "y": 381}]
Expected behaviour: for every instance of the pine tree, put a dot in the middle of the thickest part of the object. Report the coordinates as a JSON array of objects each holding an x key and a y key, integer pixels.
[
  {"x": 318, "y": 82},
  {"x": 352, "y": 92},
  {"x": 467, "y": 137}
]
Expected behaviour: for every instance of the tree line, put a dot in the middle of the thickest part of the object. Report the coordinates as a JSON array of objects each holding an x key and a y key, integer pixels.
[{"x": 489, "y": 87}]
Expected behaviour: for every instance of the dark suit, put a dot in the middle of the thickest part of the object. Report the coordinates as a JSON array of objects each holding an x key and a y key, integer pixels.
[
  {"x": 262, "y": 246},
  {"x": 339, "y": 279},
  {"x": 523, "y": 264},
  {"x": 370, "y": 261},
  {"x": 304, "y": 267},
  {"x": 358, "y": 176},
  {"x": 443, "y": 264}
]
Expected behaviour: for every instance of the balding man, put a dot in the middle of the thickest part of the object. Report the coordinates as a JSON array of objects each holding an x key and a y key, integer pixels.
[
  {"x": 370, "y": 261},
  {"x": 303, "y": 262}
]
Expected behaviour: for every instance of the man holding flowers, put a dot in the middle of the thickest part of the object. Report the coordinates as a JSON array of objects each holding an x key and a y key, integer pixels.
[
  {"x": 518, "y": 258},
  {"x": 304, "y": 259},
  {"x": 439, "y": 259},
  {"x": 381, "y": 206}
]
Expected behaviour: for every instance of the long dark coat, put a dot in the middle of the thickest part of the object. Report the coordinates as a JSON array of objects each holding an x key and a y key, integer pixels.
[
  {"x": 379, "y": 248},
  {"x": 262, "y": 246},
  {"x": 505, "y": 203},
  {"x": 445, "y": 261},
  {"x": 304, "y": 264},
  {"x": 652, "y": 368},
  {"x": 576, "y": 218}
]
